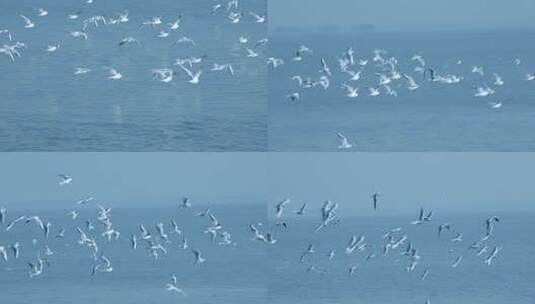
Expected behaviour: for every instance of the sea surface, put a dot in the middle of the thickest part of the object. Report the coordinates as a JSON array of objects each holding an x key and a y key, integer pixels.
[
  {"x": 255, "y": 272},
  {"x": 45, "y": 107},
  {"x": 383, "y": 279},
  {"x": 230, "y": 274},
  {"x": 435, "y": 117}
]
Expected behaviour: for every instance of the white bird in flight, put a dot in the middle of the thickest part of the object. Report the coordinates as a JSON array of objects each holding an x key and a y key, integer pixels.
[
  {"x": 27, "y": 21},
  {"x": 64, "y": 179},
  {"x": 195, "y": 77},
  {"x": 344, "y": 141}
]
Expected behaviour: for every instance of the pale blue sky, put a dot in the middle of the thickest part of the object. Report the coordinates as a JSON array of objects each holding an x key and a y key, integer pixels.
[
  {"x": 403, "y": 14},
  {"x": 440, "y": 181},
  {"x": 29, "y": 179}
]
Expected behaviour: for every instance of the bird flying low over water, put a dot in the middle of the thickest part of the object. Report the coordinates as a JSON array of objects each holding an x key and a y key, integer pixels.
[{"x": 64, "y": 179}]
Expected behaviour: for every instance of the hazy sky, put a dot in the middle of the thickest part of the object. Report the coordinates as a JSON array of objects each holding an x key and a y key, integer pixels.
[
  {"x": 440, "y": 181},
  {"x": 400, "y": 14},
  {"x": 406, "y": 181},
  {"x": 129, "y": 178}
]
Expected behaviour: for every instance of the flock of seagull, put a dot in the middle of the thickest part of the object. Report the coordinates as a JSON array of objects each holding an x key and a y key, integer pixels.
[
  {"x": 92, "y": 233},
  {"x": 394, "y": 241},
  {"x": 382, "y": 75},
  {"x": 169, "y": 31}
]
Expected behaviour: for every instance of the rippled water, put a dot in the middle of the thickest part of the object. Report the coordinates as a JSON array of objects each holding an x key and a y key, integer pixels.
[
  {"x": 230, "y": 274},
  {"x": 383, "y": 279},
  {"x": 252, "y": 271},
  {"x": 43, "y": 106},
  {"x": 435, "y": 117}
]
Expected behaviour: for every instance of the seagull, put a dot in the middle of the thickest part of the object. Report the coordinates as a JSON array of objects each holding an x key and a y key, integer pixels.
[
  {"x": 331, "y": 254},
  {"x": 8, "y": 34},
  {"x": 310, "y": 250},
  {"x": 251, "y": 53},
  {"x": 442, "y": 227},
  {"x": 493, "y": 254},
  {"x": 85, "y": 200},
  {"x": 530, "y": 76},
  {"x": 259, "y": 19},
  {"x": 497, "y": 104},
  {"x": 293, "y": 96},
  {"x": 74, "y": 16},
  {"x": 154, "y": 21},
  {"x": 235, "y": 17},
  {"x": 490, "y": 223},
  {"x": 275, "y": 62},
  {"x": 108, "y": 267},
  {"x": 216, "y": 7},
  {"x": 133, "y": 241},
  {"x": 423, "y": 218},
  {"x": 280, "y": 207},
  {"x": 174, "y": 25},
  {"x": 128, "y": 40},
  {"x": 184, "y": 244},
  {"x": 79, "y": 34},
  {"x": 65, "y": 179},
  {"x": 29, "y": 23},
  {"x": 175, "y": 228},
  {"x": 2, "y": 215},
  {"x": 73, "y": 214},
  {"x": 185, "y": 203},
  {"x": 482, "y": 251},
  {"x": 301, "y": 210},
  {"x": 163, "y": 34},
  {"x": 36, "y": 220},
  {"x": 174, "y": 287},
  {"x": 222, "y": 67},
  {"x": 52, "y": 48},
  {"x": 16, "y": 250},
  {"x": 412, "y": 85},
  {"x": 163, "y": 75},
  {"x": 478, "y": 70},
  {"x": 36, "y": 270},
  {"x": 458, "y": 238},
  {"x": 419, "y": 58},
  {"x": 424, "y": 274},
  {"x": 498, "y": 80},
  {"x": 114, "y": 74},
  {"x": 42, "y": 12},
  {"x": 344, "y": 142},
  {"x": 194, "y": 77},
  {"x": 483, "y": 91},
  {"x": 184, "y": 40},
  {"x": 198, "y": 258},
  {"x": 374, "y": 92},
  {"x": 352, "y": 92},
  {"x": 3, "y": 252},
  {"x": 375, "y": 197},
  {"x": 354, "y": 75},
  {"x": 324, "y": 67},
  {"x": 61, "y": 233},
  {"x": 270, "y": 239},
  {"x": 257, "y": 235},
  {"x": 13, "y": 222},
  {"x": 457, "y": 261}
]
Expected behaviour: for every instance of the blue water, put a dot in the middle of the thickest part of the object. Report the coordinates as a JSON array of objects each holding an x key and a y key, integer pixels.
[
  {"x": 383, "y": 279},
  {"x": 44, "y": 107},
  {"x": 435, "y": 117},
  {"x": 254, "y": 272},
  {"x": 230, "y": 274}
]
